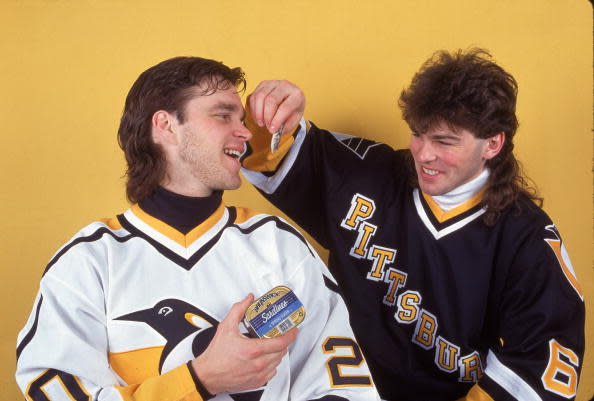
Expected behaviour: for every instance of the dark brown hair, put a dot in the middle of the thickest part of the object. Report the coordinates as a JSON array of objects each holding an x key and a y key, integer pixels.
[
  {"x": 467, "y": 90},
  {"x": 167, "y": 86}
]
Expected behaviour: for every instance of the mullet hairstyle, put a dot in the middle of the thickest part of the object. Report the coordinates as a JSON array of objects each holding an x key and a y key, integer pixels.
[
  {"x": 467, "y": 90},
  {"x": 167, "y": 86}
]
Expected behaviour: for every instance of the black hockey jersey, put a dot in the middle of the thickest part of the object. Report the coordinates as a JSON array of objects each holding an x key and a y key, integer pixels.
[{"x": 443, "y": 305}]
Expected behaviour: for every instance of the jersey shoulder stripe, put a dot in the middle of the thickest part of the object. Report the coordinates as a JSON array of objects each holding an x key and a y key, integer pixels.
[
  {"x": 280, "y": 224},
  {"x": 29, "y": 336},
  {"x": 331, "y": 285},
  {"x": 89, "y": 238},
  {"x": 359, "y": 146}
]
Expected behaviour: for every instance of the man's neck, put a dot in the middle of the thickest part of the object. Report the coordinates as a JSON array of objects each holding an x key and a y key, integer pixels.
[
  {"x": 196, "y": 191},
  {"x": 461, "y": 194},
  {"x": 179, "y": 211}
]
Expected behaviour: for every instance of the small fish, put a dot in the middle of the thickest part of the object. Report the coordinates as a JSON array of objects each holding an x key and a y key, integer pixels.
[{"x": 276, "y": 138}]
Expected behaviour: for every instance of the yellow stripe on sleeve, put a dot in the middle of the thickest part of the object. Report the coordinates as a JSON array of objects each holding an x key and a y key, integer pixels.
[
  {"x": 476, "y": 394},
  {"x": 177, "y": 384}
]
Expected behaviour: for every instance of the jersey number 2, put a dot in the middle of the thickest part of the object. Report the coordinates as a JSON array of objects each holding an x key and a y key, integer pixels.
[{"x": 338, "y": 378}]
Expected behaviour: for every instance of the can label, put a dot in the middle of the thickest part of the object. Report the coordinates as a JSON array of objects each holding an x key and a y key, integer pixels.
[{"x": 274, "y": 313}]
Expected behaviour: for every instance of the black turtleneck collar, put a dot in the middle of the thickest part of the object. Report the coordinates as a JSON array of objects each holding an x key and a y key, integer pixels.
[{"x": 180, "y": 212}]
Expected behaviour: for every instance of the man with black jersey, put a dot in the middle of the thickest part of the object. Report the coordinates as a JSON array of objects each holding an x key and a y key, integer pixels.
[
  {"x": 458, "y": 284},
  {"x": 144, "y": 306}
]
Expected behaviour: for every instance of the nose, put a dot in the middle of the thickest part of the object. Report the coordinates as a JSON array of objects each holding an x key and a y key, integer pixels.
[
  {"x": 422, "y": 149},
  {"x": 242, "y": 132}
]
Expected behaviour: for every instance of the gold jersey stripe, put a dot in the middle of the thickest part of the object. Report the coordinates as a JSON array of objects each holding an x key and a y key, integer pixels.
[
  {"x": 172, "y": 233},
  {"x": 244, "y": 215},
  {"x": 177, "y": 384},
  {"x": 476, "y": 394},
  {"x": 442, "y": 215},
  {"x": 112, "y": 223},
  {"x": 556, "y": 247},
  {"x": 137, "y": 365}
]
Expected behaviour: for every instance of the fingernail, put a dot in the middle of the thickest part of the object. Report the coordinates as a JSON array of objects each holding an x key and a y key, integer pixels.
[
  {"x": 272, "y": 128},
  {"x": 260, "y": 123}
]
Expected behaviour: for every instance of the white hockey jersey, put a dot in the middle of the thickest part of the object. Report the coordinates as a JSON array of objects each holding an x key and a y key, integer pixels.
[{"x": 127, "y": 302}]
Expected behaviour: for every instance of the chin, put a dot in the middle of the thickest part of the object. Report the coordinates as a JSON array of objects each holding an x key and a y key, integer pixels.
[
  {"x": 431, "y": 191},
  {"x": 233, "y": 185}
]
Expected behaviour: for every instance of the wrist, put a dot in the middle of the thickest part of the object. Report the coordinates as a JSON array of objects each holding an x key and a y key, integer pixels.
[{"x": 206, "y": 389}]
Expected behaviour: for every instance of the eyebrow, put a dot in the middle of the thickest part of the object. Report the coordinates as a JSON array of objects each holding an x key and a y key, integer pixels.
[{"x": 451, "y": 136}]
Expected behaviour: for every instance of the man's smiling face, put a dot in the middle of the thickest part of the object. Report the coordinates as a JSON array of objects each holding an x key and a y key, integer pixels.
[
  {"x": 446, "y": 158},
  {"x": 211, "y": 139}
]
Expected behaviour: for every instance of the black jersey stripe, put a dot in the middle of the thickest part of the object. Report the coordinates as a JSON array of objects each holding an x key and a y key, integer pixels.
[
  {"x": 29, "y": 336},
  {"x": 187, "y": 264},
  {"x": 166, "y": 252},
  {"x": 331, "y": 286},
  {"x": 281, "y": 225},
  {"x": 91, "y": 238},
  {"x": 247, "y": 396}
]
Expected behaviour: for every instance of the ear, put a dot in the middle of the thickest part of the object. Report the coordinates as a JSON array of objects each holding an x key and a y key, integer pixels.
[
  {"x": 494, "y": 146},
  {"x": 164, "y": 128}
]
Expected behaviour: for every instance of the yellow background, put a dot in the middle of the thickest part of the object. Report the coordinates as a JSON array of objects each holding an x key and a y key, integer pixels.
[{"x": 66, "y": 66}]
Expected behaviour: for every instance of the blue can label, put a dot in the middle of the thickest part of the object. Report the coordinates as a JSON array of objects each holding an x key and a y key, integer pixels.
[{"x": 274, "y": 313}]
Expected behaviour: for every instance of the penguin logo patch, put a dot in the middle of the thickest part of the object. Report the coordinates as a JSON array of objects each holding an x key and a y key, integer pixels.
[
  {"x": 187, "y": 330},
  {"x": 181, "y": 324}
]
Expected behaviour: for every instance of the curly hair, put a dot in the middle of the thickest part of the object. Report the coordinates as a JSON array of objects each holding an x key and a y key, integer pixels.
[
  {"x": 167, "y": 86},
  {"x": 468, "y": 90}
]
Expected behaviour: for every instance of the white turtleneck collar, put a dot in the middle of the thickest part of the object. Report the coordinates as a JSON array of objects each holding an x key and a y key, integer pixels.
[{"x": 461, "y": 194}]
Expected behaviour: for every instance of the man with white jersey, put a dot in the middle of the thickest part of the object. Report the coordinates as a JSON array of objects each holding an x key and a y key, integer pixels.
[
  {"x": 457, "y": 282},
  {"x": 144, "y": 306}
]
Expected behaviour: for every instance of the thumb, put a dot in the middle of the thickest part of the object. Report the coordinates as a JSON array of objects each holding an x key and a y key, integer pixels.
[{"x": 237, "y": 312}]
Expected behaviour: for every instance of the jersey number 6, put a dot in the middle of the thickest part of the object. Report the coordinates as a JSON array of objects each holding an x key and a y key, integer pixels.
[{"x": 561, "y": 376}]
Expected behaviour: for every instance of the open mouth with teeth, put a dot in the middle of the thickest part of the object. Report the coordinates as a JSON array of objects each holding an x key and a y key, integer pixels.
[
  {"x": 233, "y": 153},
  {"x": 429, "y": 171}
]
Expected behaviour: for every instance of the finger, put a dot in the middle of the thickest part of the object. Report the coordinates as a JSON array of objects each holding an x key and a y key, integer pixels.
[
  {"x": 292, "y": 123},
  {"x": 289, "y": 337},
  {"x": 269, "y": 371},
  {"x": 250, "y": 119},
  {"x": 291, "y": 107},
  {"x": 269, "y": 376},
  {"x": 257, "y": 99},
  {"x": 277, "y": 344},
  {"x": 286, "y": 115},
  {"x": 272, "y": 103}
]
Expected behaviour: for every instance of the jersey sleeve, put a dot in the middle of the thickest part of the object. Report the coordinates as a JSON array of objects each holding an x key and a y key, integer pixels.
[
  {"x": 292, "y": 178},
  {"x": 308, "y": 171},
  {"x": 62, "y": 352},
  {"x": 325, "y": 360},
  {"x": 539, "y": 352}
]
